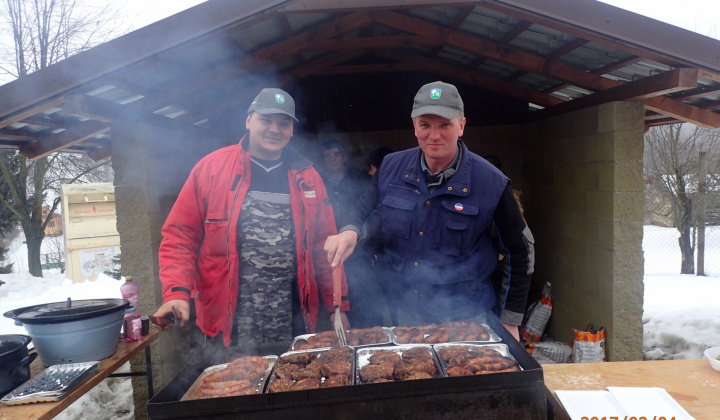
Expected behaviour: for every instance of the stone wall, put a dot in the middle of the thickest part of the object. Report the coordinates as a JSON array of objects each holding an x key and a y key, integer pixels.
[{"x": 585, "y": 208}]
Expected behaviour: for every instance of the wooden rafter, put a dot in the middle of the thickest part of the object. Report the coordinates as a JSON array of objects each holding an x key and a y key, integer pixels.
[
  {"x": 663, "y": 83},
  {"x": 101, "y": 153},
  {"x": 317, "y": 65},
  {"x": 506, "y": 39},
  {"x": 19, "y": 116},
  {"x": 300, "y": 42},
  {"x": 371, "y": 43},
  {"x": 65, "y": 139},
  {"x": 475, "y": 79},
  {"x": 602, "y": 70},
  {"x": 539, "y": 65},
  {"x": 565, "y": 49},
  {"x": 457, "y": 22},
  {"x": 107, "y": 111}
]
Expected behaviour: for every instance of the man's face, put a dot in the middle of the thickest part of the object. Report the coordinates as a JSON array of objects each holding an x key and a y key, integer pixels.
[
  {"x": 269, "y": 134},
  {"x": 334, "y": 160},
  {"x": 438, "y": 137},
  {"x": 372, "y": 170}
]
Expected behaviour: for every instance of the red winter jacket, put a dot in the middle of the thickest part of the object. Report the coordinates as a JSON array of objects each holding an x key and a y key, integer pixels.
[{"x": 199, "y": 248}]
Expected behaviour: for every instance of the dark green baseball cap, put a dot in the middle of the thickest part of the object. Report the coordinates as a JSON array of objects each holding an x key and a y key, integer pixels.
[
  {"x": 273, "y": 101},
  {"x": 437, "y": 98}
]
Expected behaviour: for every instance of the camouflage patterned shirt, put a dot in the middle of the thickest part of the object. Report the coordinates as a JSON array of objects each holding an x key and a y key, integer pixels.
[{"x": 268, "y": 264}]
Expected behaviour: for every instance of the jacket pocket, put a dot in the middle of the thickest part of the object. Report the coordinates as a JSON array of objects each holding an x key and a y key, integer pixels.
[
  {"x": 215, "y": 237},
  {"x": 397, "y": 216},
  {"x": 456, "y": 233}
]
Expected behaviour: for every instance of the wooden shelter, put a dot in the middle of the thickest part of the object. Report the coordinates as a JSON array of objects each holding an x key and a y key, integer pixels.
[{"x": 561, "y": 91}]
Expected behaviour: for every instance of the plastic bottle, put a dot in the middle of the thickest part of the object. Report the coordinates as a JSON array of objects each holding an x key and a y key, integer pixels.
[{"x": 129, "y": 291}]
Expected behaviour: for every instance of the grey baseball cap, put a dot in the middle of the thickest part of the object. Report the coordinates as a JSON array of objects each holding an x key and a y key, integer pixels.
[
  {"x": 273, "y": 101},
  {"x": 437, "y": 98}
]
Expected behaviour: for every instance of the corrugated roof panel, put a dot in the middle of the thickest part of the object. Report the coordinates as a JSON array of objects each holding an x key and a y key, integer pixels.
[
  {"x": 259, "y": 35},
  {"x": 488, "y": 24},
  {"x": 496, "y": 69},
  {"x": 457, "y": 56},
  {"x": 536, "y": 81},
  {"x": 444, "y": 16},
  {"x": 300, "y": 22}
]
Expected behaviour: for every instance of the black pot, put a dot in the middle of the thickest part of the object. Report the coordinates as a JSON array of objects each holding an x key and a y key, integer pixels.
[{"x": 14, "y": 361}]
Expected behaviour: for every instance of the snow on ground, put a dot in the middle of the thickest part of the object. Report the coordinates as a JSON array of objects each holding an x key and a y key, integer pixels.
[
  {"x": 681, "y": 313},
  {"x": 112, "y": 398}
]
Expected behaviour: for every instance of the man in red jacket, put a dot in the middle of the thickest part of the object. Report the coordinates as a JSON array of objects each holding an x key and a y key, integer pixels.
[{"x": 245, "y": 236}]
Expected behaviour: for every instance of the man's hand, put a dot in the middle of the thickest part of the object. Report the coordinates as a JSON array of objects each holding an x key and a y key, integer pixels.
[
  {"x": 339, "y": 247},
  {"x": 343, "y": 319},
  {"x": 177, "y": 308},
  {"x": 513, "y": 329}
]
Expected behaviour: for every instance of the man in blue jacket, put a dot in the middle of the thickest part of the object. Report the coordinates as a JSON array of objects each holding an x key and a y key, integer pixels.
[{"x": 444, "y": 212}]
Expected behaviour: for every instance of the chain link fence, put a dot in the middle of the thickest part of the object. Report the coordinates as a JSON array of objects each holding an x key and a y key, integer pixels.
[{"x": 662, "y": 251}]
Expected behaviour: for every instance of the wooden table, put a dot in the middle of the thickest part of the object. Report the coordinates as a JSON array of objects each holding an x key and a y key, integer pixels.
[
  {"x": 692, "y": 383},
  {"x": 47, "y": 410}
]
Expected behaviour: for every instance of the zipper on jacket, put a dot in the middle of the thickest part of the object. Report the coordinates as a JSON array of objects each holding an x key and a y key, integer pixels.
[
  {"x": 303, "y": 241},
  {"x": 415, "y": 190},
  {"x": 232, "y": 209}
]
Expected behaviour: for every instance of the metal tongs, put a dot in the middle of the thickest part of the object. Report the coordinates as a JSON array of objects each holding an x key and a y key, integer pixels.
[{"x": 337, "y": 301}]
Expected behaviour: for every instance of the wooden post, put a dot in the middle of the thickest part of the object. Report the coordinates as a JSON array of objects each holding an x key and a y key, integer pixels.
[{"x": 701, "y": 209}]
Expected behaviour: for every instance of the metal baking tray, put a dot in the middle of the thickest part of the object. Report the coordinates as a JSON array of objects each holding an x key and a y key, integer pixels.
[
  {"x": 494, "y": 337},
  {"x": 52, "y": 384},
  {"x": 362, "y": 357},
  {"x": 319, "y": 353},
  {"x": 388, "y": 331},
  {"x": 500, "y": 348},
  {"x": 190, "y": 394}
]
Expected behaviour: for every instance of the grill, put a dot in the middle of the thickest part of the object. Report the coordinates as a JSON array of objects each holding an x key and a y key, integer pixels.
[{"x": 501, "y": 396}]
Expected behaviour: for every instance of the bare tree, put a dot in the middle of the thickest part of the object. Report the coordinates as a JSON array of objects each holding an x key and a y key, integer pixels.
[
  {"x": 44, "y": 32},
  {"x": 671, "y": 165}
]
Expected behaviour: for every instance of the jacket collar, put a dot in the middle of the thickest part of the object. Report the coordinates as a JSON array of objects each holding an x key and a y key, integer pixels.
[
  {"x": 296, "y": 160},
  {"x": 458, "y": 184}
]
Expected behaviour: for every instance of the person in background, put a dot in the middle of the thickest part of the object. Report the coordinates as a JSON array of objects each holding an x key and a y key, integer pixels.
[
  {"x": 499, "y": 275},
  {"x": 439, "y": 202},
  {"x": 374, "y": 159},
  {"x": 344, "y": 184},
  {"x": 245, "y": 237}
]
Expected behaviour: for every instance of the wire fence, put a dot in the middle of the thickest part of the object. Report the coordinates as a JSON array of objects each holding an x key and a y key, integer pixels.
[{"x": 663, "y": 256}]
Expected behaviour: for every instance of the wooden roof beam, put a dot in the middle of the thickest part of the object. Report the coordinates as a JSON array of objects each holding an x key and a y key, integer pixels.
[
  {"x": 663, "y": 83},
  {"x": 372, "y": 43},
  {"x": 506, "y": 39},
  {"x": 624, "y": 62},
  {"x": 11, "y": 135},
  {"x": 565, "y": 49},
  {"x": 368, "y": 68},
  {"x": 459, "y": 20},
  {"x": 291, "y": 46},
  {"x": 107, "y": 111},
  {"x": 101, "y": 153},
  {"x": 314, "y": 66},
  {"x": 476, "y": 79},
  {"x": 17, "y": 117},
  {"x": 536, "y": 64},
  {"x": 64, "y": 139}
]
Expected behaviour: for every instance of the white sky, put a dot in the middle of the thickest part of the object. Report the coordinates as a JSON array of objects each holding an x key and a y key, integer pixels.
[{"x": 701, "y": 16}]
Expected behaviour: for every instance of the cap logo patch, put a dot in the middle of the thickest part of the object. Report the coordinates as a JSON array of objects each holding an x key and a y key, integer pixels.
[
  {"x": 435, "y": 93},
  {"x": 459, "y": 207},
  {"x": 279, "y": 98}
]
